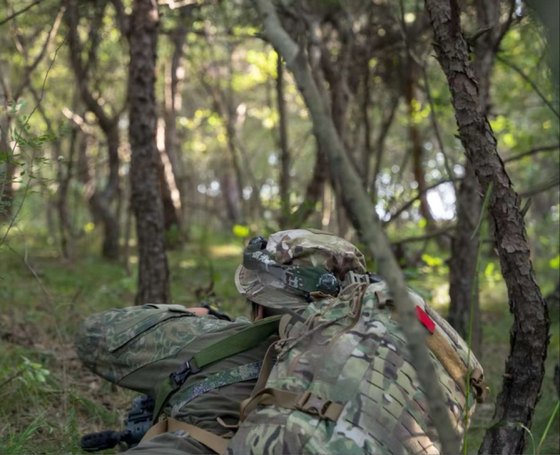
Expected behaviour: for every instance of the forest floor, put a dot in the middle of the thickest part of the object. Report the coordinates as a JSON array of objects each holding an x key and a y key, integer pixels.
[{"x": 48, "y": 400}]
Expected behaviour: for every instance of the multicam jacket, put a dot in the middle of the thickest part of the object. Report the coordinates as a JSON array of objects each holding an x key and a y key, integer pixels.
[{"x": 344, "y": 383}]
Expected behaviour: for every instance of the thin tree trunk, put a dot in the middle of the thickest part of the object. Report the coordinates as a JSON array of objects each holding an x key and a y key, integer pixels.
[
  {"x": 153, "y": 271},
  {"x": 360, "y": 210},
  {"x": 102, "y": 201},
  {"x": 415, "y": 141},
  {"x": 172, "y": 103},
  {"x": 529, "y": 334},
  {"x": 463, "y": 282},
  {"x": 313, "y": 192},
  {"x": 7, "y": 164},
  {"x": 283, "y": 141}
]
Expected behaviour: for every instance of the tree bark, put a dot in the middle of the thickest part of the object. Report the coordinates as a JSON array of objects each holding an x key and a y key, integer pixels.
[
  {"x": 360, "y": 210},
  {"x": 463, "y": 282},
  {"x": 172, "y": 104},
  {"x": 415, "y": 140},
  {"x": 284, "y": 180},
  {"x": 529, "y": 334},
  {"x": 102, "y": 201},
  {"x": 153, "y": 271}
]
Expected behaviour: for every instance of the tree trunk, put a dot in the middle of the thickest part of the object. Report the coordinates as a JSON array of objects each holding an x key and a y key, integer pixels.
[
  {"x": 529, "y": 334},
  {"x": 64, "y": 177},
  {"x": 284, "y": 180},
  {"x": 7, "y": 165},
  {"x": 415, "y": 141},
  {"x": 172, "y": 103},
  {"x": 102, "y": 201},
  {"x": 463, "y": 282},
  {"x": 153, "y": 272},
  {"x": 313, "y": 192},
  {"x": 360, "y": 210}
]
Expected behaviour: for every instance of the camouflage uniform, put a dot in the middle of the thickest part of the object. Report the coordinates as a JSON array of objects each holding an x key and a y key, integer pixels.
[
  {"x": 343, "y": 380},
  {"x": 138, "y": 347}
]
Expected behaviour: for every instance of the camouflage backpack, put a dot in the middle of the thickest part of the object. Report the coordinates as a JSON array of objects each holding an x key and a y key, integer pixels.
[{"x": 342, "y": 380}]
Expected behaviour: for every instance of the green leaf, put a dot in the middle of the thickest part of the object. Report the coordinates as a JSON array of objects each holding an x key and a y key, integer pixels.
[
  {"x": 555, "y": 263},
  {"x": 432, "y": 261},
  {"x": 240, "y": 230}
]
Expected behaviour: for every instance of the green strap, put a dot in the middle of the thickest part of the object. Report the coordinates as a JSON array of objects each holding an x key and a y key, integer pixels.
[
  {"x": 223, "y": 378},
  {"x": 246, "y": 338},
  {"x": 243, "y": 340}
]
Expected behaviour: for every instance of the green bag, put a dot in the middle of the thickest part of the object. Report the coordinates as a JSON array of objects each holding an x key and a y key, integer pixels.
[{"x": 343, "y": 382}]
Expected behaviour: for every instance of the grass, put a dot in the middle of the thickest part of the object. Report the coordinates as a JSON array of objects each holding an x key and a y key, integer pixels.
[{"x": 48, "y": 400}]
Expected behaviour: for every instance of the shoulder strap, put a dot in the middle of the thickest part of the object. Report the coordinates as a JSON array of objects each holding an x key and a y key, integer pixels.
[
  {"x": 245, "y": 339},
  {"x": 214, "y": 442}
]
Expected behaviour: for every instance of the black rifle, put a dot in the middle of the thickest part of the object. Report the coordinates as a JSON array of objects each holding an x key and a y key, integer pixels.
[{"x": 139, "y": 421}]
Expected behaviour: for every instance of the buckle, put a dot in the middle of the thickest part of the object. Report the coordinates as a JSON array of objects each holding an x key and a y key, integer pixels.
[
  {"x": 312, "y": 404},
  {"x": 180, "y": 376}
]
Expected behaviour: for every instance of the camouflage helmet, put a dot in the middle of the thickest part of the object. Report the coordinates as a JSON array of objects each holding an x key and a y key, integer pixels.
[{"x": 292, "y": 267}]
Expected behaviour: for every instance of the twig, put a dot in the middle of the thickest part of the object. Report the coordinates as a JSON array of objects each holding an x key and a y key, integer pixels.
[
  {"x": 541, "y": 188},
  {"x": 542, "y": 148},
  {"x": 21, "y": 11},
  {"x": 407, "y": 205},
  {"x": 15, "y": 375},
  {"x": 527, "y": 79},
  {"x": 429, "y": 235}
]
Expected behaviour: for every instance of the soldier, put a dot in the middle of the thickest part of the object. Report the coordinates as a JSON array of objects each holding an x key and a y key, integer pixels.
[{"x": 154, "y": 349}]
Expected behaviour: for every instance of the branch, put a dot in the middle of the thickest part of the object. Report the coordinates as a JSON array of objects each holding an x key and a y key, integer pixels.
[
  {"x": 429, "y": 235},
  {"x": 545, "y": 186},
  {"x": 527, "y": 79},
  {"x": 533, "y": 151},
  {"x": 122, "y": 18},
  {"x": 21, "y": 11},
  {"x": 27, "y": 76},
  {"x": 408, "y": 204}
]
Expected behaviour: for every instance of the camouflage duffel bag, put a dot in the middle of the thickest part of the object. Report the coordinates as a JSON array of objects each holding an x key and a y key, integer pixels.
[{"x": 343, "y": 382}]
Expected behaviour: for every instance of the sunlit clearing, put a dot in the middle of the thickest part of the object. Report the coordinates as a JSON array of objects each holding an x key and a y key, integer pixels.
[
  {"x": 222, "y": 251},
  {"x": 133, "y": 259},
  {"x": 442, "y": 201},
  {"x": 440, "y": 297},
  {"x": 188, "y": 264}
]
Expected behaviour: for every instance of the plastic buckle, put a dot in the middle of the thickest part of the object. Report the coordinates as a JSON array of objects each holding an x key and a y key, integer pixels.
[
  {"x": 180, "y": 376},
  {"x": 312, "y": 404}
]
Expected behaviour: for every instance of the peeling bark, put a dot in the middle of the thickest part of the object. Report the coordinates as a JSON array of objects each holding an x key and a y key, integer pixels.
[{"x": 529, "y": 334}]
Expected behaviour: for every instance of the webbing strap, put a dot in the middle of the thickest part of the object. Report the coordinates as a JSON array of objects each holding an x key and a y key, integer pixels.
[
  {"x": 306, "y": 402},
  {"x": 246, "y": 338},
  {"x": 214, "y": 442},
  {"x": 243, "y": 340},
  {"x": 220, "y": 379}
]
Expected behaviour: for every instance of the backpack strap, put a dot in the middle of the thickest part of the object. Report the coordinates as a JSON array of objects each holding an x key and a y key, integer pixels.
[
  {"x": 240, "y": 373},
  {"x": 245, "y": 339},
  {"x": 214, "y": 442},
  {"x": 307, "y": 402}
]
